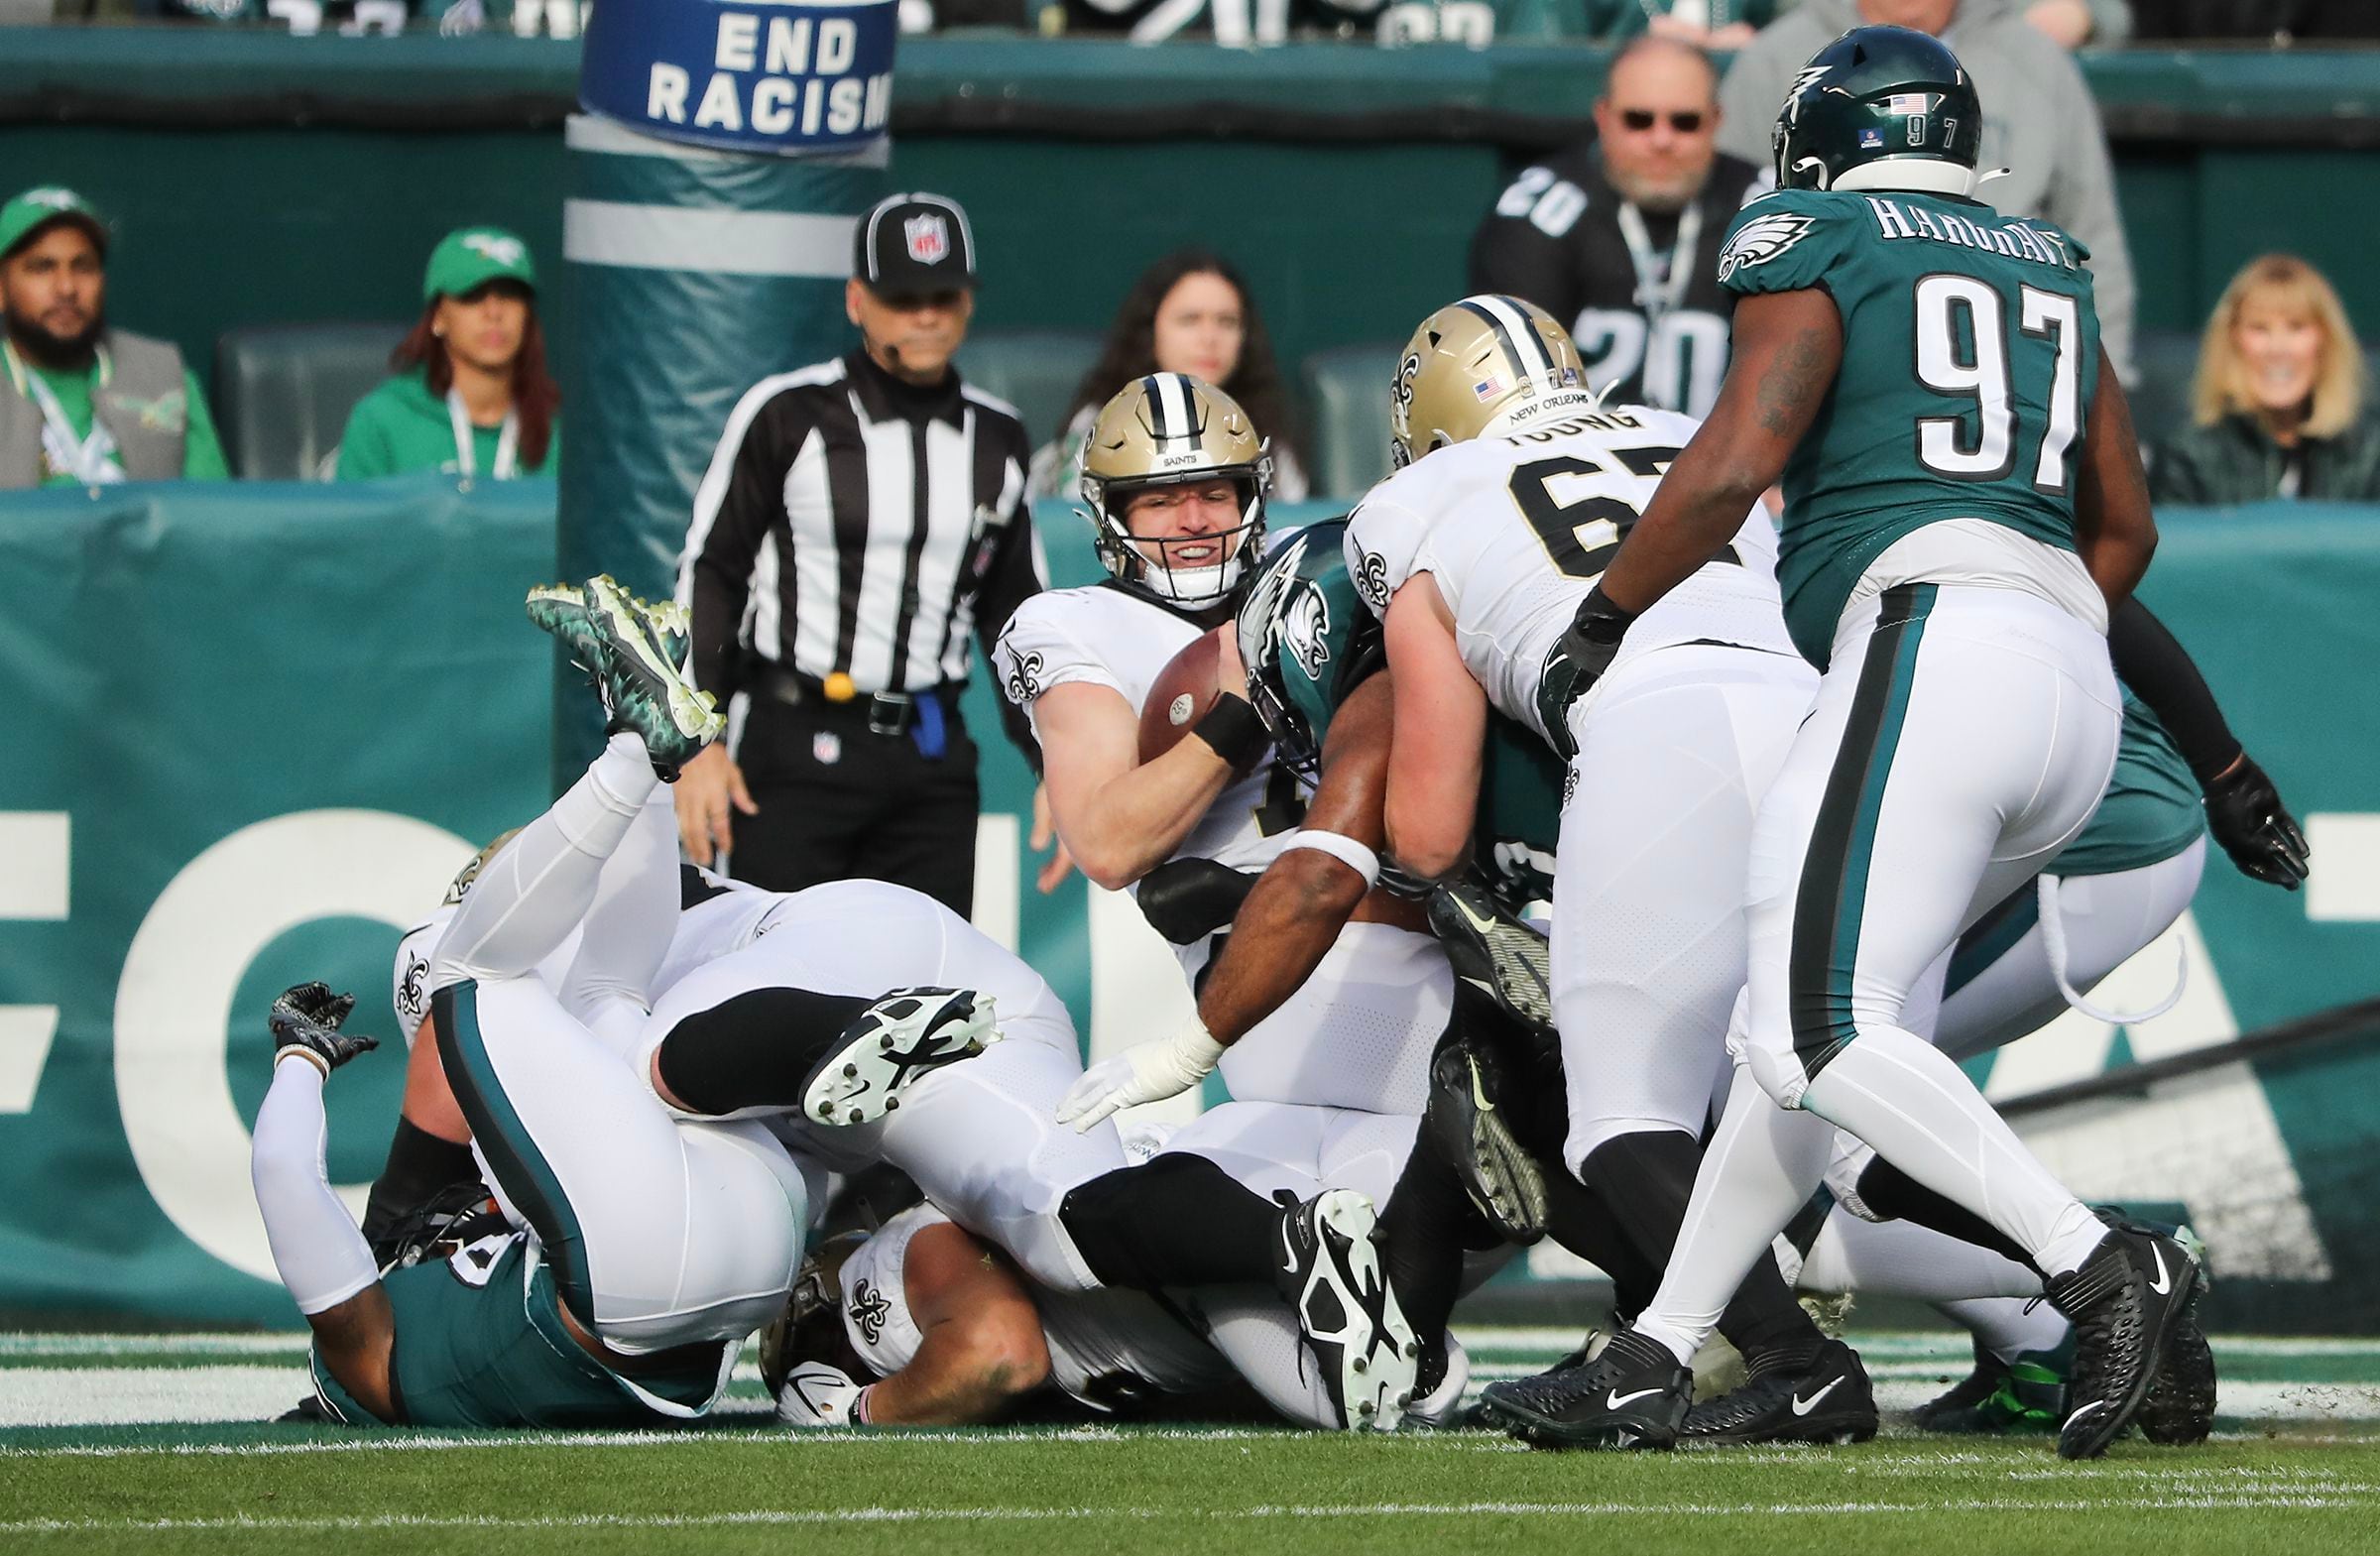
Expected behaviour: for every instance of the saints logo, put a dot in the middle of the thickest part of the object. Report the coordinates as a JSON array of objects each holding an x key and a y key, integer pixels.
[
  {"x": 868, "y": 1309},
  {"x": 1024, "y": 681},
  {"x": 410, "y": 998},
  {"x": 1760, "y": 240},
  {"x": 1371, "y": 579}
]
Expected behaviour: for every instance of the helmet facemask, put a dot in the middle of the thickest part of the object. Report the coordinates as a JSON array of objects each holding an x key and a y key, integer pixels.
[{"x": 1169, "y": 429}]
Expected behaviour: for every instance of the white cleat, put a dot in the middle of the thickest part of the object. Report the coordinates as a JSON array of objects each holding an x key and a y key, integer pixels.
[{"x": 894, "y": 1044}]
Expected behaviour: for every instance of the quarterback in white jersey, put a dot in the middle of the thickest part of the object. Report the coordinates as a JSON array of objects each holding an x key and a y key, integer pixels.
[{"x": 1516, "y": 491}]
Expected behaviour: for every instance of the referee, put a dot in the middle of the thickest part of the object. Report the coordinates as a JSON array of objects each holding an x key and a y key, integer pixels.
[{"x": 860, "y": 519}]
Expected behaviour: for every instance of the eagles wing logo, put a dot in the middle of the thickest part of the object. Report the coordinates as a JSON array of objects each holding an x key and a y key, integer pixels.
[
  {"x": 1024, "y": 681},
  {"x": 1760, "y": 240},
  {"x": 1803, "y": 85},
  {"x": 1305, "y": 630},
  {"x": 498, "y": 249},
  {"x": 869, "y": 1310}
]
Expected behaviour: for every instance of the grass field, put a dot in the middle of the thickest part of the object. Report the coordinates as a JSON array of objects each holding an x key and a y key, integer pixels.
[{"x": 151, "y": 1444}]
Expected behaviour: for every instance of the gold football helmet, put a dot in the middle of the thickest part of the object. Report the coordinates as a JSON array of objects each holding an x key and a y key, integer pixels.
[
  {"x": 1486, "y": 360},
  {"x": 1169, "y": 429}
]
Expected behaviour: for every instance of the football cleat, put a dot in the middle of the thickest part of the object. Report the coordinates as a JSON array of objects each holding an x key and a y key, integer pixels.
[
  {"x": 815, "y": 1394},
  {"x": 2028, "y": 1394},
  {"x": 1502, "y": 1179},
  {"x": 1441, "y": 1378},
  {"x": 894, "y": 1044},
  {"x": 306, "y": 1020},
  {"x": 2125, "y": 1301},
  {"x": 1633, "y": 1395},
  {"x": 644, "y": 691},
  {"x": 1493, "y": 951},
  {"x": 1330, "y": 1274},
  {"x": 2180, "y": 1410},
  {"x": 672, "y": 628},
  {"x": 1828, "y": 1401}
]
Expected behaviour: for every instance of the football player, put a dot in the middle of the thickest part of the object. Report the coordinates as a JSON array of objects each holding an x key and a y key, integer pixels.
[
  {"x": 634, "y": 1251},
  {"x": 1514, "y": 491},
  {"x": 1963, "y": 504},
  {"x": 1330, "y": 1079}
]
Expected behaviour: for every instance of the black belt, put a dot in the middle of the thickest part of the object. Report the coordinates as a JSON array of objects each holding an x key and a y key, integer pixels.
[{"x": 887, "y": 712}]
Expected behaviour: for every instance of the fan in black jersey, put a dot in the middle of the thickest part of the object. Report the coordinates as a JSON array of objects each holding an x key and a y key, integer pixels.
[{"x": 1618, "y": 237}]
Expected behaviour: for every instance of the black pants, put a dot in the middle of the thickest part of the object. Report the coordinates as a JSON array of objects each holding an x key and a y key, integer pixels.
[{"x": 840, "y": 803}]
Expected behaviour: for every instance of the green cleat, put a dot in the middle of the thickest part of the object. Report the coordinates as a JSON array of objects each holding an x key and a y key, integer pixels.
[
  {"x": 672, "y": 628},
  {"x": 610, "y": 635}
]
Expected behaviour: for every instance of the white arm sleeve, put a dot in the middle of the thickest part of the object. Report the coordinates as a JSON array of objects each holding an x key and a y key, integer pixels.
[{"x": 323, "y": 1259}]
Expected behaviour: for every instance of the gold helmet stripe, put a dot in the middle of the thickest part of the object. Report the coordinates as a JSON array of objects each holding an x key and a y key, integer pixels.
[{"x": 1513, "y": 333}]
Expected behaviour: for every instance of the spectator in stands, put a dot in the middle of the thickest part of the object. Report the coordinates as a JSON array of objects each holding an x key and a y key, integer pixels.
[
  {"x": 1706, "y": 24},
  {"x": 1619, "y": 237},
  {"x": 471, "y": 394},
  {"x": 1189, "y": 313},
  {"x": 2282, "y": 405},
  {"x": 2039, "y": 122},
  {"x": 2078, "y": 24},
  {"x": 86, "y": 404}
]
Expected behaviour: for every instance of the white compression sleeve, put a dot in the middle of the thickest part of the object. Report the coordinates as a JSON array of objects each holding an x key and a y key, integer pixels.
[
  {"x": 626, "y": 930},
  {"x": 538, "y": 886},
  {"x": 321, "y": 1256}
]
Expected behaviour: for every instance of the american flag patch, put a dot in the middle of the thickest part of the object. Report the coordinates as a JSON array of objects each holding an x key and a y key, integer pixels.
[
  {"x": 1909, "y": 102},
  {"x": 1487, "y": 388}
]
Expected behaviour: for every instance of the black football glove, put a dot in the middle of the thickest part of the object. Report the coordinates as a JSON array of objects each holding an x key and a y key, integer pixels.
[
  {"x": 1584, "y": 651},
  {"x": 2246, "y": 816},
  {"x": 306, "y": 1018}
]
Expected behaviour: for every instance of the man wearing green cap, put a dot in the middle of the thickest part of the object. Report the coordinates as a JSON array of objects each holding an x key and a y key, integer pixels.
[
  {"x": 471, "y": 397},
  {"x": 86, "y": 404}
]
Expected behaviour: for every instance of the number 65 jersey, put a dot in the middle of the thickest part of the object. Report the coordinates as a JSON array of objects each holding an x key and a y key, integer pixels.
[{"x": 1516, "y": 530}]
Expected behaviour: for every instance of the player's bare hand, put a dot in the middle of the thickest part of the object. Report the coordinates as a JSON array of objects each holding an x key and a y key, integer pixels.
[
  {"x": 710, "y": 790},
  {"x": 1060, "y": 864},
  {"x": 1231, "y": 674}
]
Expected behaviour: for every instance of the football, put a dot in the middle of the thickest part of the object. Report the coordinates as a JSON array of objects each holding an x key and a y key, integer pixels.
[{"x": 1185, "y": 689}]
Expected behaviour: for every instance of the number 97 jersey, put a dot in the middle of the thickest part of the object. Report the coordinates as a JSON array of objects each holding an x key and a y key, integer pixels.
[
  {"x": 1516, "y": 530},
  {"x": 1970, "y": 353}
]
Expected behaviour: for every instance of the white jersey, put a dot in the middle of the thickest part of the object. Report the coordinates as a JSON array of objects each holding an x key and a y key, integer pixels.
[
  {"x": 1108, "y": 636},
  {"x": 1108, "y": 1348},
  {"x": 1516, "y": 530}
]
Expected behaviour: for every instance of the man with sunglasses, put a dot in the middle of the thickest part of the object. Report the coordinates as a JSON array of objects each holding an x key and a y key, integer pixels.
[{"x": 1619, "y": 237}]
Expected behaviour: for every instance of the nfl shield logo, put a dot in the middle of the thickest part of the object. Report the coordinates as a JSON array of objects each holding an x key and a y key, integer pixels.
[{"x": 929, "y": 238}]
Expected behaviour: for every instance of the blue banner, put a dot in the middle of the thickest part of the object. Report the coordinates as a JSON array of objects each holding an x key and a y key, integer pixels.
[{"x": 772, "y": 77}]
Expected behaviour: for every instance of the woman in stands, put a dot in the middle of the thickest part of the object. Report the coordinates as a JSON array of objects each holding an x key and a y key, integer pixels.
[
  {"x": 1189, "y": 313},
  {"x": 2282, "y": 407},
  {"x": 471, "y": 396}
]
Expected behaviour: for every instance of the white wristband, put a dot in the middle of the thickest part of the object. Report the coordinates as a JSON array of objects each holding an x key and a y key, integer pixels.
[{"x": 1362, "y": 861}]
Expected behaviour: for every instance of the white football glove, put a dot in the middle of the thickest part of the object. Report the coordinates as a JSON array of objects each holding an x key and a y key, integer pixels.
[
  {"x": 816, "y": 1394},
  {"x": 1144, "y": 1072}
]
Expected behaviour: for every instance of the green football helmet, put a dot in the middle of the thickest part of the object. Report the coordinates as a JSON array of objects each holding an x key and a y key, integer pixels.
[
  {"x": 1880, "y": 109},
  {"x": 1306, "y": 641}
]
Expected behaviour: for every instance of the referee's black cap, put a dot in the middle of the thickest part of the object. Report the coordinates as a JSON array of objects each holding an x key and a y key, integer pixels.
[{"x": 913, "y": 245}]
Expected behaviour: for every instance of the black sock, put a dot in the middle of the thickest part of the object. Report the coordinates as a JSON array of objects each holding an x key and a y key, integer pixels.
[
  {"x": 1426, "y": 1224},
  {"x": 1174, "y": 1221},
  {"x": 1765, "y": 1322},
  {"x": 756, "y": 1051},
  {"x": 1894, "y": 1195},
  {"x": 420, "y": 1165},
  {"x": 1576, "y": 1218}
]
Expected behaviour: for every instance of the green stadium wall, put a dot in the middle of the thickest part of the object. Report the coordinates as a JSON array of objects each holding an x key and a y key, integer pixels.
[{"x": 253, "y": 730}]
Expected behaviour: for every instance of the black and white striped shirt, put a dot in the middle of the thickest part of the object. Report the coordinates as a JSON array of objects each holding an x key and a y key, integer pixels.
[{"x": 852, "y": 521}]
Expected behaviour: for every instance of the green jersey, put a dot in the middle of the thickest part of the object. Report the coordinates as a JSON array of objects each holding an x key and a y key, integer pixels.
[
  {"x": 480, "y": 1342},
  {"x": 2151, "y": 811},
  {"x": 202, "y": 449},
  {"x": 402, "y": 429},
  {"x": 1970, "y": 354},
  {"x": 1521, "y": 815}
]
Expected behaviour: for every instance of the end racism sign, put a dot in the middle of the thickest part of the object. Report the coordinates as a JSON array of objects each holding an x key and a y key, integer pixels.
[{"x": 785, "y": 78}]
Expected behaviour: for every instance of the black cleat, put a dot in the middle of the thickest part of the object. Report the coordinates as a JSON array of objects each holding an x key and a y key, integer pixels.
[
  {"x": 893, "y": 1045},
  {"x": 1828, "y": 1401},
  {"x": 1503, "y": 1180},
  {"x": 1330, "y": 1273},
  {"x": 2125, "y": 1302},
  {"x": 1963, "y": 1396},
  {"x": 1634, "y": 1395},
  {"x": 2180, "y": 1410},
  {"x": 1493, "y": 951}
]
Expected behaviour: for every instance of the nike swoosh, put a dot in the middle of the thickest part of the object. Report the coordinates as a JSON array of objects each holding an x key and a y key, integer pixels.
[
  {"x": 2082, "y": 1410},
  {"x": 1802, "y": 1407},
  {"x": 1290, "y": 1250},
  {"x": 1483, "y": 925},
  {"x": 1614, "y": 1400},
  {"x": 1478, "y": 1094},
  {"x": 2164, "y": 1281}
]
